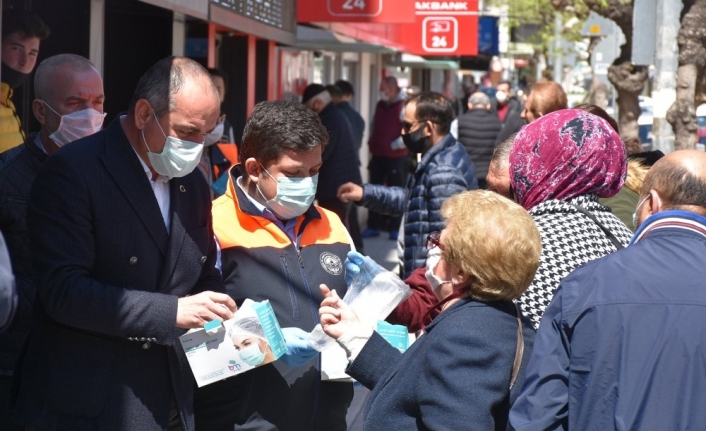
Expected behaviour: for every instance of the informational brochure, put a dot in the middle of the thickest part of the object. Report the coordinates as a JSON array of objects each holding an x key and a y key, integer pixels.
[
  {"x": 334, "y": 360},
  {"x": 220, "y": 350}
]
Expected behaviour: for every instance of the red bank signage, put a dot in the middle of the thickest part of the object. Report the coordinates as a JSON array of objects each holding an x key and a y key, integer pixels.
[
  {"x": 374, "y": 11},
  {"x": 442, "y": 28}
]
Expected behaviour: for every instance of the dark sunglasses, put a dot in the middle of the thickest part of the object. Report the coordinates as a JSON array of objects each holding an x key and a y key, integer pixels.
[
  {"x": 434, "y": 240},
  {"x": 407, "y": 126}
]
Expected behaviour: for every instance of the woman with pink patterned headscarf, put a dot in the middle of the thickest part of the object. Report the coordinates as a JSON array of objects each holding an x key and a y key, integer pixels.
[{"x": 560, "y": 164}]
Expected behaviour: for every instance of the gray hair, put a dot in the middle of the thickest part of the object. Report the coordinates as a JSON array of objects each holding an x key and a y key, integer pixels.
[
  {"x": 478, "y": 99},
  {"x": 501, "y": 155},
  {"x": 324, "y": 96},
  {"x": 44, "y": 79},
  {"x": 163, "y": 81}
]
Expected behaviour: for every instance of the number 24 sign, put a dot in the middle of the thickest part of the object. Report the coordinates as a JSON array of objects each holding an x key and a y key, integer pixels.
[
  {"x": 440, "y": 34},
  {"x": 355, "y": 7},
  {"x": 368, "y": 11}
]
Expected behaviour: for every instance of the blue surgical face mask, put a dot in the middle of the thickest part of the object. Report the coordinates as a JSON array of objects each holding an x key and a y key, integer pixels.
[
  {"x": 433, "y": 258},
  {"x": 178, "y": 158},
  {"x": 294, "y": 195},
  {"x": 252, "y": 355}
]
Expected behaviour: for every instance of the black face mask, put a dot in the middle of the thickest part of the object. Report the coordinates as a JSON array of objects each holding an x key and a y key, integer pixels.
[
  {"x": 12, "y": 77},
  {"x": 414, "y": 141}
]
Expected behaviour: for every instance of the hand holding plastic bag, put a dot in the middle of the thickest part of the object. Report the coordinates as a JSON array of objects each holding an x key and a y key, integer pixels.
[
  {"x": 299, "y": 351},
  {"x": 354, "y": 263},
  {"x": 372, "y": 294}
]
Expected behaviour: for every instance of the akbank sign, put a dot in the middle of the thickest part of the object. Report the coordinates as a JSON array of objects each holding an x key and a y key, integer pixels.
[{"x": 442, "y": 6}]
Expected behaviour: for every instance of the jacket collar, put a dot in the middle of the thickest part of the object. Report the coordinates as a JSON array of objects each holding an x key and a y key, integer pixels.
[
  {"x": 123, "y": 164},
  {"x": 556, "y": 206},
  {"x": 444, "y": 314},
  {"x": 6, "y": 94},
  {"x": 446, "y": 142},
  {"x": 242, "y": 201},
  {"x": 34, "y": 149},
  {"x": 671, "y": 219}
]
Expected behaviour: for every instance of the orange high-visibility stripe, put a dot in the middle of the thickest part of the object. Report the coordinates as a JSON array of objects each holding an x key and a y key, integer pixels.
[{"x": 234, "y": 228}]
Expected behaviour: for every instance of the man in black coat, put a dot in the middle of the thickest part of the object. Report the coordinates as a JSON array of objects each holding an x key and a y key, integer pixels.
[
  {"x": 64, "y": 85},
  {"x": 356, "y": 121},
  {"x": 340, "y": 157},
  {"x": 124, "y": 256},
  {"x": 477, "y": 131}
]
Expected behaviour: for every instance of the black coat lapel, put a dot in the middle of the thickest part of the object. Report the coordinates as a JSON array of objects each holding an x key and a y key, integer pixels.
[
  {"x": 188, "y": 241},
  {"x": 122, "y": 163},
  {"x": 179, "y": 213}
]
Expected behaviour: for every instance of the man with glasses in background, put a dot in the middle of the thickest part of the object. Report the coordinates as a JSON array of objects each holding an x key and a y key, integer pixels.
[{"x": 443, "y": 170}]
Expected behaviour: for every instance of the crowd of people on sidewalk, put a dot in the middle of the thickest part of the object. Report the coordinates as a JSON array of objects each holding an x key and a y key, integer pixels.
[{"x": 555, "y": 268}]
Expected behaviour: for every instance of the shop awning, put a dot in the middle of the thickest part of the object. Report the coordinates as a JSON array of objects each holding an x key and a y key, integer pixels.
[
  {"x": 316, "y": 39},
  {"x": 417, "y": 62}
]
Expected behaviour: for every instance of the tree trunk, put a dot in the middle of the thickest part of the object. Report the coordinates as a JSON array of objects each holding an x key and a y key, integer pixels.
[
  {"x": 629, "y": 81},
  {"x": 692, "y": 67}
]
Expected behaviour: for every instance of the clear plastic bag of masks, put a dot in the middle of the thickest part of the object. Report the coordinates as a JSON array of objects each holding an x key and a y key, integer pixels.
[{"x": 373, "y": 294}]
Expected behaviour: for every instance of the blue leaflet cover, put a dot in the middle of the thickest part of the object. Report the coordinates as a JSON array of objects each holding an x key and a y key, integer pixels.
[{"x": 396, "y": 335}]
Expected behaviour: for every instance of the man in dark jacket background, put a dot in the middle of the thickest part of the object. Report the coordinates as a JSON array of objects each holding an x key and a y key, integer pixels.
[
  {"x": 444, "y": 169},
  {"x": 64, "y": 85},
  {"x": 341, "y": 162},
  {"x": 356, "y": 121},
  {"x": 477, "y": 131}
]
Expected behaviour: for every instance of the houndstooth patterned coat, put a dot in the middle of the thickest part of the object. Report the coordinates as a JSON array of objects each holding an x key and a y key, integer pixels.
[{"x": 569, "y": 239}]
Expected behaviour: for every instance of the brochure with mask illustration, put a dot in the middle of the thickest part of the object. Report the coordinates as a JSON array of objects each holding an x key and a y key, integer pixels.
[
  {"x": 334, "y": 360},
  {"x": 220, "y": 350}
]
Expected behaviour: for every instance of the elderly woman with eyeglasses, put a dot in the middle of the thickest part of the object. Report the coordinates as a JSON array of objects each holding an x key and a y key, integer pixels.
[{"x": 460, "y": 373}]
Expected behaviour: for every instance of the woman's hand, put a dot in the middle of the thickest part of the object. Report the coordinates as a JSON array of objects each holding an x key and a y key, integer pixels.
[{"x": 336, "y": 317}]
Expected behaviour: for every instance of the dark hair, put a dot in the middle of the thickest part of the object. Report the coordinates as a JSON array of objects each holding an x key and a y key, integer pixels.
[
  {"x": 218, "y": 72},
  {"x": 506, "y": 82},
  {"x": 433, "y": 107},
  {"x": 676, "y": 185},
  {"x": 334, "y": 91},
  {"x": 345, "y": 86},
  {"x": 163, "y": 81},
  {"x": 24, "y": 22},
  {"x": 599, "y": 112},
  {"x": 647, "y": 158},
  {"x": 276, "y": 126}
]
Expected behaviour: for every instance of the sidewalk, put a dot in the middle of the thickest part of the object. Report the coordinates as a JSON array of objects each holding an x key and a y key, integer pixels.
[{"x": 382, "y": 250}]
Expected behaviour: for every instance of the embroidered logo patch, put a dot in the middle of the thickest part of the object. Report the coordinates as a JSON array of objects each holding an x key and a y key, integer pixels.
[{"x": 331, "y": 263}]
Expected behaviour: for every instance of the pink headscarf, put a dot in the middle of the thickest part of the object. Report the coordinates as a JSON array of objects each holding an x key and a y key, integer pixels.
[{"x": 565, "y": 154}]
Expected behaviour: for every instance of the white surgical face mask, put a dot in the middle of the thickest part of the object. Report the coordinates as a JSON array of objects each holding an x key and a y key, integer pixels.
[
  {"x": 501, "y": 97},
  {"x": 433, "y": 258},
  {"x": 384, "y": 97},
  {"x": 637, "y": 210},
  {"x": 178, "y": 158},
  {"x": 76, "y": 125},
  {"x": 214, "y": 136},
  {"x": 294, "y": 195}
]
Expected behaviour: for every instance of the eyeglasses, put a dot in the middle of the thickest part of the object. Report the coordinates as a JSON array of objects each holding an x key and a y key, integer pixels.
[{"x": 434, "y": 240}]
